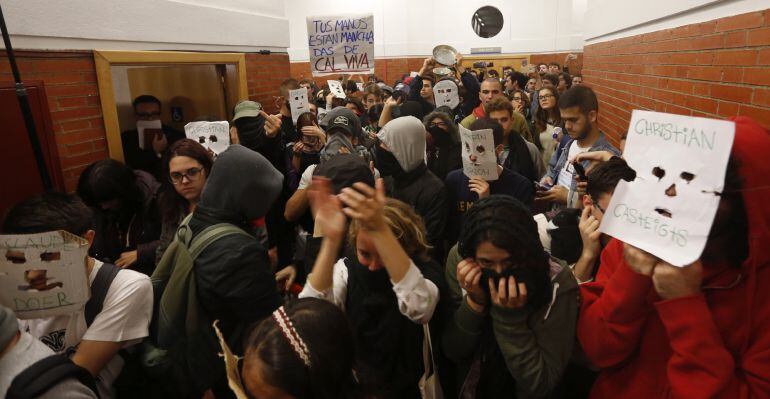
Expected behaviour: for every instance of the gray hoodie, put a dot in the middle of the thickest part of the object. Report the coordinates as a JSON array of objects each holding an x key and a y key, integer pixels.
[{"x": 405, "y": 138}]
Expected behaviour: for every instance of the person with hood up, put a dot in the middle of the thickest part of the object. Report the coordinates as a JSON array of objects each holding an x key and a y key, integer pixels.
[
  {"x": 401, "y": 161},
  {"x": 700, "y": 331},
  {"x": 443, "y": 143},
  {"x": 127, "y": 218},
  {"x": 233, "y": 276}
]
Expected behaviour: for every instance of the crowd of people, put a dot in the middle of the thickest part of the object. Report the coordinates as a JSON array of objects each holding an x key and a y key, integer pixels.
[{"x": 333, "y": 250}]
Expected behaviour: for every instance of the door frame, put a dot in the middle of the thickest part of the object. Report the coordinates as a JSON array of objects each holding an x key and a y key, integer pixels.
[{"x": 105, "y": 59}]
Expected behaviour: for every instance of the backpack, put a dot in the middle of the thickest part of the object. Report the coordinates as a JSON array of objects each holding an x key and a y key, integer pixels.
[
  {"x": 182, "y": 349},
  {"x": 44, "y": 374}
]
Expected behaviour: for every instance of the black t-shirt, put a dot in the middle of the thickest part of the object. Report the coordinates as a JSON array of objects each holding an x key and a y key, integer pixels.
[{"x": 461, "y": 198}]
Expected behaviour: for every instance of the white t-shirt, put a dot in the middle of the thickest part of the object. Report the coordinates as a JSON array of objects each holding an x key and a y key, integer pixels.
[
  {"x": 125, "y": 317},
  {"x": 565, "y": 175}
]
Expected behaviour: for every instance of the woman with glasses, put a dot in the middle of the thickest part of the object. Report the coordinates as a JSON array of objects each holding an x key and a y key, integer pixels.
[
  {"x": 187, "y": 166},
  {"x": 548, "y": 125},
  {"x": 516, "y": 308}
]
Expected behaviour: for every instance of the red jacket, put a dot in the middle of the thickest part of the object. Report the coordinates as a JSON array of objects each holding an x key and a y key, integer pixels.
[{"x": 713, "y": 345}]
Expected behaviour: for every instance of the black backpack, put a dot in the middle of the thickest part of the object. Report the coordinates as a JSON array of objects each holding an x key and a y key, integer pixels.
[{"x": 42, "y": 375}]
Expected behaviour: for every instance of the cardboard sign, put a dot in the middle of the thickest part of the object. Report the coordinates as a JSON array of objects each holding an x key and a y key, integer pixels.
[
  {"x": 360, "y": 86},
  {"x": 680, "y": 165},
  {"x": 479, "y": 158},
  {"x": 147, "y": 131},
  {"x": 215, "y": 136},
  {"x": 341, "y": 44},
  {"x": 336, "y": 87},
  {"x": 446, "y": 93},
  {"x": 298, "y": 103},
  {"x": 43, "y": 275}
]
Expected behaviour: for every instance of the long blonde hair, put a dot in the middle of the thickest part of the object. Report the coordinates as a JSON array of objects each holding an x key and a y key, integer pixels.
[{"x": 405, "y": 224}]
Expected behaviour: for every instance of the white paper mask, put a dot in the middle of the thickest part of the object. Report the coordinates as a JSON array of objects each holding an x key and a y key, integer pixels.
[
  {"x": 478, "y": 151},
  {"x": 445, "y": 93},
  {"x": 360, "y": 86},
  {"x": 336, "y": 87},
  {"x": 43, "y": 275},
  {"x": 215, "y": 136},
  {"x": 680, "y": 162},
  {"x": 298, "y": 103},
  {"x": 145, "y": 140}
]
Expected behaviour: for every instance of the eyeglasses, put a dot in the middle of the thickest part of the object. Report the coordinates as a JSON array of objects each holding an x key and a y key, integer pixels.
[
  {"x": 147, "y": 114},
  {"x": 546, "y": 97},
  {"x": 596, "y": 204},
  {"x": 191, "y": 174}
]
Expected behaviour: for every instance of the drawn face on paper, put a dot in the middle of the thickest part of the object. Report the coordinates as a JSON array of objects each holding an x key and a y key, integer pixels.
[
  {"x": 298, "y": 103},
  {"x": 446, "y": 93},
  {"x": 680, "y": 164},
  {"x": 214, "y": 136},
  {"x": 475, "y": 152},
  {"x": 335, "y": 86}
]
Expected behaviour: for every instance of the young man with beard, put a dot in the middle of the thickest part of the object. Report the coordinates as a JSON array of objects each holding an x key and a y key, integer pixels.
[
  {"x": 699, "y": 331},
  {"x": 518, "y": 154},
  {"x": 443, "y": 143},
  {"x": 579, "y": 110}
]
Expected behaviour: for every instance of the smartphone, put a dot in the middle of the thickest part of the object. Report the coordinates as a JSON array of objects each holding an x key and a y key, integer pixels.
[
  {"x": 542, "y": 187},
  {"x": 581, "y": 172}
]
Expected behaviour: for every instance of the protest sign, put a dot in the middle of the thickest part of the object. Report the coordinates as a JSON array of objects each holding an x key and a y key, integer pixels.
[
  {"x": 147, "y": 130},
  {"x": 360, "y": 86},
  {"x": 43, "y": 275},
  {"x": 298, "y": 103},
  {"x": 479, "y": 158},
  {"x": 446, "y": 93},
  {"x": 680, "y": 165},
  {"x": 341, "y": 44},
  {"x": 215, "y": 136},
  {"x": 336, "y": 87}
]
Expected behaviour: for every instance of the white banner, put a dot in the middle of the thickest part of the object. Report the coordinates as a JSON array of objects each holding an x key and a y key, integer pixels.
[{"x": 341, "y": 44}]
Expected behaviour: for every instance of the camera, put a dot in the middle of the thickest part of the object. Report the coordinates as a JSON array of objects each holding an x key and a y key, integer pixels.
[{"x": 483, "y": 64}]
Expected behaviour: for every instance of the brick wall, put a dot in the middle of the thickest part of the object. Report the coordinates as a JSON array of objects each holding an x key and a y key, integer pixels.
[
  {"x": 73, "y": 100},
  {"x": 69, "y": 78},
  {"x": 391, "y": 69},
  {"x": 713, "y": 69}
]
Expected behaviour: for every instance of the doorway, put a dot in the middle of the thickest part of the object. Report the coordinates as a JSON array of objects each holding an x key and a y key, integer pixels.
[{"x": 190, "y": 86}]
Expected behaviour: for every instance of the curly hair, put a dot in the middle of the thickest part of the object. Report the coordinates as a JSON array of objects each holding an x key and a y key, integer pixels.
[
  {"x": 405, "y": 224},
  {"x": 507, "y": 224}
]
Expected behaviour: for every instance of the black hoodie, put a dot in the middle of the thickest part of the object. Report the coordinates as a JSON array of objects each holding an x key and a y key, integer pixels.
[{"x": 235, "y": 283}]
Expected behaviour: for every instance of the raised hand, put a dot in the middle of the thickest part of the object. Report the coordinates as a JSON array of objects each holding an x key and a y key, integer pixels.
[
  {"x": 469, "y": 278},
  {"x": 272, "y": 124},
  {"x": 589, "y": 233},
  {"x": 366, "y": 204},
  {"x": 638, "y": 260},
  {"x": 479, "y": 186},
  {"x": 675, "y": 282},
  {"x": 327, "y": 209}
]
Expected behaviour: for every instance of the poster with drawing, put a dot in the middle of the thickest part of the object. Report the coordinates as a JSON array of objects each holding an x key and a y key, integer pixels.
[
  {"x": 478, "y": 151},
  {"x": 147, "y": 130},
  {"x": 336, "y": 87},
  {"x": 680, "y": 165},
  {"x": 445, "y": 93},
  {"x": 43, "y": 275},
  {"x": 298, "y": 103},
  {"x": 215, "y": 136}
]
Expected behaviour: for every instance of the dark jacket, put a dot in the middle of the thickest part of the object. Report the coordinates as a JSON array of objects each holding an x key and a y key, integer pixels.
[
  {"x": 138, "y": 229},
  {"x": 146, "y": 159},
  {"x": 471, "y": 98},
  {"x": 235, "y": 283},
  {"x": 446, "y": 153},
  {"x": 414, "y": 94}
]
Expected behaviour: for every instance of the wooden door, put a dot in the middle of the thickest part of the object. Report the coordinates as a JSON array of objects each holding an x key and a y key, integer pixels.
[{"x": 20, "y": 178}]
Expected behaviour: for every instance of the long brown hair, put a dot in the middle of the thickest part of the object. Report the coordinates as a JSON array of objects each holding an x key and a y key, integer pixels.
[
  {"x": 541, "y": 116},
  {"x": 171, "y": 203}
]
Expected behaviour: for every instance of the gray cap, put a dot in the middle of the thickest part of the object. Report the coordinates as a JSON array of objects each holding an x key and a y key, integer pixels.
[
  {"x": 9, "y": 326},
  {"x": 246, "y": 108}
]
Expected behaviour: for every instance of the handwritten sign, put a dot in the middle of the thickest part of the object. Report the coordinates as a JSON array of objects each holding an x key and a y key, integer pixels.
[
  {"x": 43, "y": 275},
  {"x": 336, "y": 87},
  {"x": 478, "y": 153},
  {"x": 215, "y": 136},
  {"x": 298, "y": 103},
  {"x": 341, "y": 44},
  {"x": 680, "y": 165},
  {"x": 446, "y": 93}
]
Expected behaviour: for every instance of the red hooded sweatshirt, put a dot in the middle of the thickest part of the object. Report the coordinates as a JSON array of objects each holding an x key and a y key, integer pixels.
[{"x": 712, "y": 345}]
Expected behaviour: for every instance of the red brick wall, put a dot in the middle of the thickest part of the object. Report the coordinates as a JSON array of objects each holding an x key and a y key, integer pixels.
[
  {"x": 391, "y": 69},
  {"x": 73, "y": 99},
  {"x": 713, "y": 69},
  {"x": 69, "y": 78}
]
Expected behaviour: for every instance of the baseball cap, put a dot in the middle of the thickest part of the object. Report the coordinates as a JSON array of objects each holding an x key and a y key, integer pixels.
[
  {"x": 342, "y": 122},
  {"x": 246, "y": 108},
  {"x": 345, "y": 169}
]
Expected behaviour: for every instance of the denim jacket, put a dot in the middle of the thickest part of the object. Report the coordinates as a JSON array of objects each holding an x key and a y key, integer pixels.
[{"x": 556, "y": 164}]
